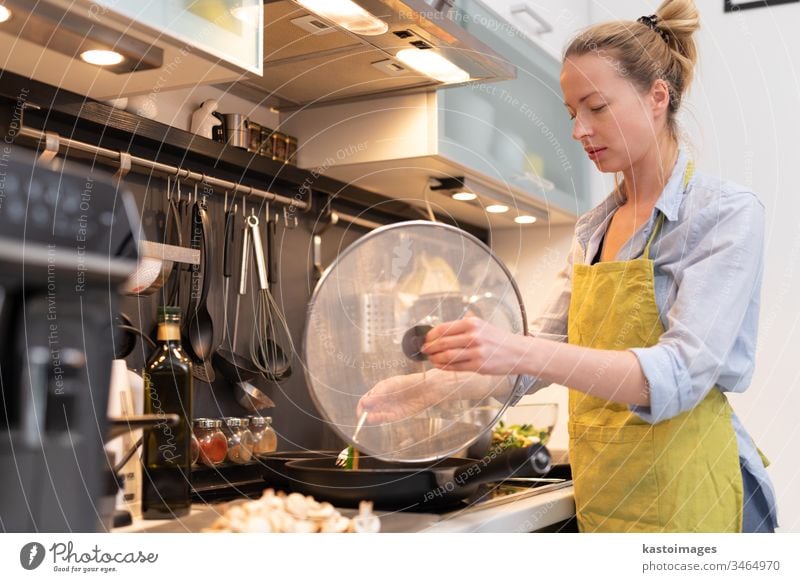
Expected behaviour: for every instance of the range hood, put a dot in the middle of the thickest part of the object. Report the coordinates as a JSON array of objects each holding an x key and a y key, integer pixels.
[{"x": 309, "y": 59}]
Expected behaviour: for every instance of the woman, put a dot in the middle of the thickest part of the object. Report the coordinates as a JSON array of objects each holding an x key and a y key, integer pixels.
[{"x": 658, "y": 305}]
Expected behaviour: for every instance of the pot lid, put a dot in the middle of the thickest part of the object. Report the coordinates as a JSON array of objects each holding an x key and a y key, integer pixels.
[{"x": 366, "y": 321}]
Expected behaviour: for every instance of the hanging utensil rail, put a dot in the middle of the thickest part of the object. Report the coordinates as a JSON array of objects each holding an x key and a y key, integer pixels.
[{"x": 53, "y": 143}]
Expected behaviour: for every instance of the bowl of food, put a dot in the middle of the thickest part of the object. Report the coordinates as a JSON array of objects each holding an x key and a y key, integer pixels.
[{"x": 524, "y": 425}]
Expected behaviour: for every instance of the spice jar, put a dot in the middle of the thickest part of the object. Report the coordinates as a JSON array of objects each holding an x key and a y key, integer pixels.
[
  {"x": 266, "y": 441},
  {"x": 240, "y": 440},
  {"x": 254, "y": 137},
  {"x": 278, "y": 146},
  {"x": 291, "y": 149},
  {"x": 212, "y": 442},
  {"x": 266, "y": 142}
]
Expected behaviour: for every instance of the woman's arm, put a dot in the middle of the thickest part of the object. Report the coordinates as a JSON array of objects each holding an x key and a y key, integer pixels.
[
  {"x": 718, "y": 279},
  {"x": 472, "y": 344}
]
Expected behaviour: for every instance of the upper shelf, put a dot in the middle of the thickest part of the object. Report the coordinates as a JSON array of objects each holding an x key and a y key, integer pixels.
[{"x": 83, "y": 119}]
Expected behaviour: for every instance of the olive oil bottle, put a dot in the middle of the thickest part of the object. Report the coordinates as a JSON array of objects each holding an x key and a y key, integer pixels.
[{"x": 166, "y": 463}]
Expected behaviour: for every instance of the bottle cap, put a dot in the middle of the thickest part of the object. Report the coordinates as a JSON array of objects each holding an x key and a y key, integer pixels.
[{"x": 169, "y": 314}]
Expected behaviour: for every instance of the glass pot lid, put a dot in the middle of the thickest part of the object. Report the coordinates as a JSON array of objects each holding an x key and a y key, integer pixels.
[{"x": 365, "y": 324}]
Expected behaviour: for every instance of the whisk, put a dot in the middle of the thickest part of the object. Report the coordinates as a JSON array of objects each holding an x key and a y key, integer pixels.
[{"x": 265, "y": 352}]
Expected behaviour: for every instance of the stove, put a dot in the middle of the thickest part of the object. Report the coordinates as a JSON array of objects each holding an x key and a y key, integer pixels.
[{"x": 229, "y": 482}]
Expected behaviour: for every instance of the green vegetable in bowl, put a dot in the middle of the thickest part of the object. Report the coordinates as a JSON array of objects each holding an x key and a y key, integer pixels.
[{"x": 517, "y": 436}]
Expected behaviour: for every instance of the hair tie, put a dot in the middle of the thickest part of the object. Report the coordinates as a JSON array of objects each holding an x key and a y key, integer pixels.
[{"x": 652, "y": 23}]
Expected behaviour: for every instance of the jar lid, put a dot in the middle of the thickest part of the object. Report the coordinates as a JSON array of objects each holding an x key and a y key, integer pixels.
[
  {"x": 207, "y": 422},
  {"x": 258, "y": 421},
  {"x": 234, "y": 421}
]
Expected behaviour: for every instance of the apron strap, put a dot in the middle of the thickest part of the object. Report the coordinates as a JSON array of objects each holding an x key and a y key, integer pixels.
[
  {"x": 656, "y": 228},
  {"x": 687, "y": 176}
]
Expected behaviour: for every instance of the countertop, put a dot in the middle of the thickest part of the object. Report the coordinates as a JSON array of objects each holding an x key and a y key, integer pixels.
[{"x": 531, "y": 512}]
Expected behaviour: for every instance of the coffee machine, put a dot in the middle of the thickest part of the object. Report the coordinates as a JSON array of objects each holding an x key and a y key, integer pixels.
[{"x": 67, "y": 241}]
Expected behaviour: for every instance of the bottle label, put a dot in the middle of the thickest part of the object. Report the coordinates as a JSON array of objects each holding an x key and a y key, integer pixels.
[
  {"x": 169, "y": 332},
  {"x": 168, "y": 449}
]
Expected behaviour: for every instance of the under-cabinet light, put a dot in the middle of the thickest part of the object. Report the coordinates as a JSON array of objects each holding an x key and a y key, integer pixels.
[
  {"x": 102, "y": 57},
  {"x": 525, "y": 219},
  {"x": 348, "y": 15},
  {"x": 464, "y": 196},
  {"x": 5, "y": 13},
  {"x": 430, "y": 63},
  {"x": 497, "y": 208}
]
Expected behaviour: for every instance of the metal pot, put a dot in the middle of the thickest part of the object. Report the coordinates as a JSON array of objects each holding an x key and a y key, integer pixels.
[{"x": 237, "y": 130}]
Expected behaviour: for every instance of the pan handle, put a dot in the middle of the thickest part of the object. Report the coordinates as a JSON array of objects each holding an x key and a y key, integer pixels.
[{"x": 532, "y": 461}]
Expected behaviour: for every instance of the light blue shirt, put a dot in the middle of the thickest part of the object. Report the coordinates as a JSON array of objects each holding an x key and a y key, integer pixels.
[{"x": 708, "y": 270}]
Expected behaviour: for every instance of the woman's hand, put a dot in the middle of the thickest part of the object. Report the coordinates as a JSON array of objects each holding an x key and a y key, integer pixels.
[
  {"x": 474, "y": 345},
  {"x": 402, "y": 397},
  {"x": 399, "y": 398}
]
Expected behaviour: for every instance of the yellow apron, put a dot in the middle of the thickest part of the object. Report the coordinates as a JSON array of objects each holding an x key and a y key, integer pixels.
[{"x": 679, "y": 475}]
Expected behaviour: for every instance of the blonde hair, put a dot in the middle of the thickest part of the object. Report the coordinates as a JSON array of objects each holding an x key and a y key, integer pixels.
[{"x": 645, "y": 52}]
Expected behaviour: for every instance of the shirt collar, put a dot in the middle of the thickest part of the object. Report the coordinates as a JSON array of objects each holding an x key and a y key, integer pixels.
[{"x": 668, "y": 203}]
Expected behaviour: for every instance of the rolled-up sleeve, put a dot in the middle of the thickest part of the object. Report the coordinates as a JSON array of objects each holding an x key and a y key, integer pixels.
[{"x": 718, "y": 281}]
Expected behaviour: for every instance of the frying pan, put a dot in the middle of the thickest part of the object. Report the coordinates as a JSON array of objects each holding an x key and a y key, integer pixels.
[
  {"x": 274, "y": 464},
  {"x": 391, "y": 485}
]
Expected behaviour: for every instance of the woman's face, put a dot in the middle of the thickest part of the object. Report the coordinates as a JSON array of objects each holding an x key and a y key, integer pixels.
[{"x": 615, "y": 121}]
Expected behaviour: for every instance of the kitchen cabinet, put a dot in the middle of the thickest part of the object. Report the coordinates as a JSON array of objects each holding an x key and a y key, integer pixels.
[
  {"x": 520, "y": 128},
  {"x": 164, "y": 45},
  {"x": 550, "y": 25},
  {"x": 231, "y": 30}
]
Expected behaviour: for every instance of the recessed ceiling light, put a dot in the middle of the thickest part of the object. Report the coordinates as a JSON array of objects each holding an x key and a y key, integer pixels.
[
  {"x": 432, "y": 64},
  {"x": 525, "y": 219},
  {"x": 103, "y": 58},
  {"x": 5, "y": 13},
  {"x": 348, "y": 15},
  {"x": 497, "y": 208},
  {"x": 464, "y": 196}
]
